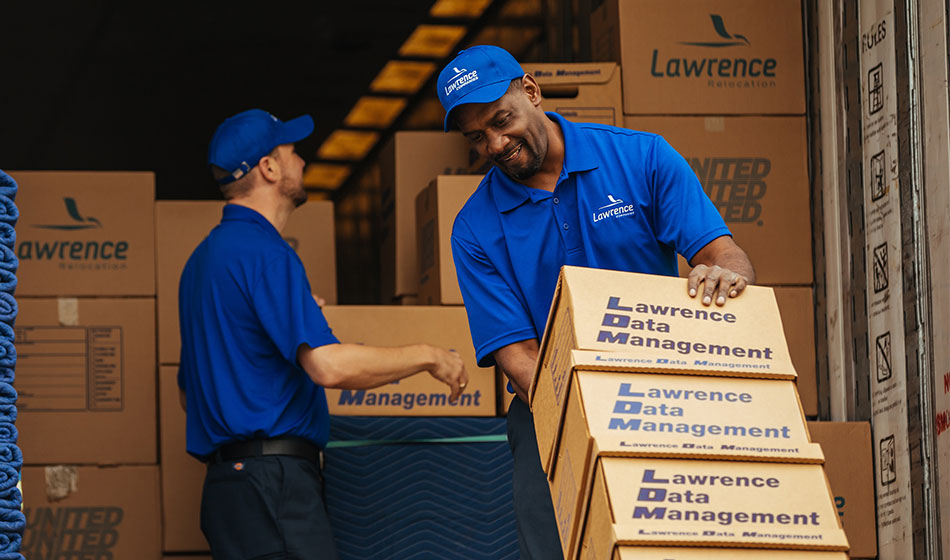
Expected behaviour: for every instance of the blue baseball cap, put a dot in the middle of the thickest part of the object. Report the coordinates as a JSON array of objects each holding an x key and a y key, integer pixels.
[
  {"x": 479, "y": 74},
  {"x": 242, "y": 140}
]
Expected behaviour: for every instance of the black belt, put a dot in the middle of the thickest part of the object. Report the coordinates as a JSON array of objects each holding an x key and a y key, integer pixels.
[{"x": 292, "y": 446}]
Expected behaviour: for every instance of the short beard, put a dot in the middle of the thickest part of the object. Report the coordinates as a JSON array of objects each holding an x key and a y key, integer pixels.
[
  {"x": 527, "y": 171},
  {"x": 295, "y": 193}
]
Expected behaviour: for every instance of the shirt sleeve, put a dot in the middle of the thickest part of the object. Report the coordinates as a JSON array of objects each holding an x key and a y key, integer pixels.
[
  {"x": 685, "y": 217},
  {"x": 286, "y": 309},
  {"x": 497, "y": 317}
]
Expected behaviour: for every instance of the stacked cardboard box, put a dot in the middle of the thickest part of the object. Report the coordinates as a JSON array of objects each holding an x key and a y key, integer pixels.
[
  {"x": 723, "y": 83},
  {"x": 662, "y": 422},
  {"x": 179, "y": 227},
  {"x": 85, "y": 337}
]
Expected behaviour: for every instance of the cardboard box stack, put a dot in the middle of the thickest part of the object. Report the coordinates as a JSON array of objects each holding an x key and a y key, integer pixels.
[
  {"x": 86, "y": 374},
  {"x": 723, "y": 83},
  {"x": 664, "y": 423},
  {"x": 179, "y": 227},
  {"x": 580, "y": 92}
]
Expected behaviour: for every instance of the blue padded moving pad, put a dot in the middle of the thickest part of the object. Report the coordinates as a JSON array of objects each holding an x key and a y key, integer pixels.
[{"x": 420, "y": 500}]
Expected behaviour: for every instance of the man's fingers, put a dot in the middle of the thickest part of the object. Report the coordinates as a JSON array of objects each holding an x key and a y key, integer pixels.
[
  {"x": 695, "y": 277},
  {"x": 710, "y": 284}
]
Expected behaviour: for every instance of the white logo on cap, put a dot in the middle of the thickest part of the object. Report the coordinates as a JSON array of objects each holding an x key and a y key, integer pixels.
[{"x": 460, "y": 80}]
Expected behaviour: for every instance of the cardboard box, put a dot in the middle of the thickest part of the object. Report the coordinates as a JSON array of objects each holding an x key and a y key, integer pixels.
[
  {"x": 182, "y": 225},
  {"x": 182, "y": 475},
  {"x": 704, "y": 57},
  {"x": 690, "y": 553},
  {"x": 86, "y": 367},
  {"x": 408, "y": 163},
  {"x": 105, "y": 512},
  {"x": 675, "y": 502},
  {"x": 645, "y": 323},
  {"x": 85, "y": 233},
  {"x": 645, "y": 415},
  {"x": 420, "y": 394},
  {"x": 755, "y": 171},
  {"x": 580, "y": 92},
  {"x": 797, "y": 307},
  {"x": 436, "y": 208},
  {"x": 850, "y": 469}
]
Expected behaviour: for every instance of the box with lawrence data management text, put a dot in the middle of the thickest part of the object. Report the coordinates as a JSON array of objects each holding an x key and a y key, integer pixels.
[
  {"x": 626, "y": 322},
  {"x": 85, "y": 379},
  {"x": 419, "y": 394},
  {"x": 580, "y": 92},
  {"x": 182, "y": 225}
]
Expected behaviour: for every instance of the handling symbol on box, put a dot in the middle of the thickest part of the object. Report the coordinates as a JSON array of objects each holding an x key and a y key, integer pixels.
[
  {"x": 883, "y": 345},
  {"x": 888, "y": 461},
  {"x": 880, "y": 268},
  {"x": 876, "y": 88},
  {"x": 878, "y": 188}
]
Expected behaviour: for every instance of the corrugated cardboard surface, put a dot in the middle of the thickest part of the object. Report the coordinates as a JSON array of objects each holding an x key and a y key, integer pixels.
[
  {"x": 797, "y": 306},
  {"x": 677, "y": 502},
  {"x": 181, "y": 225},
  {"x": 644, "y": 415},
  {"x": 85, "y": 233},
  {"x": 580, "y": 92},
  {"x": 113, "y": 512},
  {"x": 182, "y": 474},
  {"x": 850, "y": 469},
  {"x": 436, "y": 209},
  {"x": 657, "y": 553},
  {"x": 623, "y": 321},
  {"x": 86, "y": 380},
  {"x": 420, "y": 394},
  {"x": 704, "y": 57},
  {"x": 754, "y": 170},
  {"x": 407, "y": 164}
]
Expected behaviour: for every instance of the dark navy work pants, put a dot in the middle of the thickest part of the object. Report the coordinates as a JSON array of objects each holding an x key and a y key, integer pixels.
[
  {"x": 266, "y": 508},
  {"x": 534, "y": 511}
]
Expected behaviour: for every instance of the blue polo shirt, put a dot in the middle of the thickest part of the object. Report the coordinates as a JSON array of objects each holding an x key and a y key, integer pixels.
[
  {"x": 245, "y": 306},
  {"x": 625, "y": 200}
]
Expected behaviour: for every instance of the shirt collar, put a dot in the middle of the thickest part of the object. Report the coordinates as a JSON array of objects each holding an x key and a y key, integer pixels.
[
  {"x": 578, "y": 156},
  {"x": 239, "y": 213}
]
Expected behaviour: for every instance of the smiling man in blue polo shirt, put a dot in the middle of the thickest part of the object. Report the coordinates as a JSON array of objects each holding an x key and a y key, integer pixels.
[
  {"x": 257, "y": 352},
  {"x": 559, "y": 194}
]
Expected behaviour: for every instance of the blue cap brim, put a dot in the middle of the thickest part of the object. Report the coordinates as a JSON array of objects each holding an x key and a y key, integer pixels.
[
  {"x": 488, "y": 93},
  {"x": 296, "y": 130}
]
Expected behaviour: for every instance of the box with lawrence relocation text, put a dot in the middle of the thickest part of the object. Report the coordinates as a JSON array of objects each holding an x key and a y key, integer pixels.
[
  {"x": 180, "y": 225},
  {"x": 85, "y": 233},
  {"x": 628, "y": 322},
  {"x": 420, "y": 394},
  {"x": 672, "y": 502},
  {"x": 649, "y": 415},
  {"x": 91, "y": 513},
  {"x": 580, "y": 91}
]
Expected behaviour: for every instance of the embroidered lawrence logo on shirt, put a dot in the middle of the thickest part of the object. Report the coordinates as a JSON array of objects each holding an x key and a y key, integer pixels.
[{"x": 615, "y": 208}]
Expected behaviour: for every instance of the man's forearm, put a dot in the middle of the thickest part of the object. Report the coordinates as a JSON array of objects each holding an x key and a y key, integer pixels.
[
  {"x": 518, "y": 361},
  {"x": 354, "y": 366}
]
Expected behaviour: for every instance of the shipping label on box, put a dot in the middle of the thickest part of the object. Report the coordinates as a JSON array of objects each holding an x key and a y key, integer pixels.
[
  {"x": 850, "y": 469},
  {"x": 420, "y": 394},
  {"x": 639, "y": 322},
  {"x": 712, "y": 503},
  {"x": 181, "y": 225},
  {"x": 85, "y": 233},
  {"x": 644, "y": 415},
  {"x": 86, "y": 366},
  {"x": 436, "y": 208},
  {"x": 704, "y": 57},
  {"x": 408, "y": 163},
  {"x": 580, "y": 92},
  {"x": 755, "y": 171},
  {"x": 91, "y": 512},
  {"x": 690, "y": 553},
  {"x": 182, "y": 475}
]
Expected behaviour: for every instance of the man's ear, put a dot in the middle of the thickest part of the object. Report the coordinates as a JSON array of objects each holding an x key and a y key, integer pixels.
[
  {"x": 531, "y": 89},
  {"x": 269, "y": 168}
]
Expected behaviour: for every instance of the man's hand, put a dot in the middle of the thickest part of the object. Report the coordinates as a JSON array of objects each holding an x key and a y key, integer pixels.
[
  {"x": 718, "y": 283},
  {"x": 450, "y": 370},
  {"x": 723, "y": 269},
  {"x": 320, "y": 301}
]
